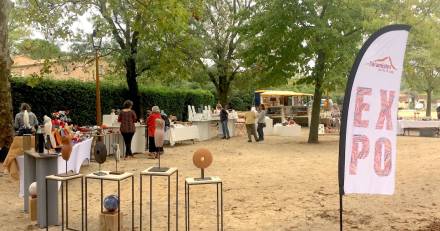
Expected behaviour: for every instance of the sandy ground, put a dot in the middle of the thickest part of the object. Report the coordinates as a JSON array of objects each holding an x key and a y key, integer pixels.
[{"x": 282, "y": 184}]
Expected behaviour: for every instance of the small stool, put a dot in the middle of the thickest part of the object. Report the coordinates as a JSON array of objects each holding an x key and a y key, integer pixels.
[
  {"x": 200, "y": 181},
  {"x": 117, "y": 178},
  {"x": 65, "y": 181},
  {"x": 168, "y": 174}
]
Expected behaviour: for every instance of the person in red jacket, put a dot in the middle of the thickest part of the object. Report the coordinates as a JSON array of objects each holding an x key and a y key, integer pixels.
[{"x": 151, "y": 123}]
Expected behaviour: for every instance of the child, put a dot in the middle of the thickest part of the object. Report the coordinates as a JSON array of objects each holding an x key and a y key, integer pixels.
[{"x": 159, "y": 134}]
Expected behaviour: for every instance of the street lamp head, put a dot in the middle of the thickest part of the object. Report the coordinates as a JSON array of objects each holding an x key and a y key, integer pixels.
[{"x": 96, "y": 41}]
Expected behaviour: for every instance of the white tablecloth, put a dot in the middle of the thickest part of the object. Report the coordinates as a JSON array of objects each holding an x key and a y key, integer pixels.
[
  {"x": 289, "y": 131},
  {"x": 402, "y": 124},
  {"x": 80, "y": 153},
  {"x": 181, "y": 133}
]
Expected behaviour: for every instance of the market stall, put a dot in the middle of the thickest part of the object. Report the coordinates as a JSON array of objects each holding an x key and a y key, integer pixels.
[
  {"x": 404, "y": 126},
  {"x": 180, "y": 132},
  {"x": 112, "y": 135}
]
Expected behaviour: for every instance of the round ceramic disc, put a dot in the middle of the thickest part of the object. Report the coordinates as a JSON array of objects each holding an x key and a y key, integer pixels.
[
  {"x": 100, "y": 152},
  {"x": 202, "y": 158}
]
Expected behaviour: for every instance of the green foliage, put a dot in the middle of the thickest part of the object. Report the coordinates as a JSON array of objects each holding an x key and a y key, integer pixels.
[
  {"x": 48, "y": 96},
  {"x": 38, "y": 49}
]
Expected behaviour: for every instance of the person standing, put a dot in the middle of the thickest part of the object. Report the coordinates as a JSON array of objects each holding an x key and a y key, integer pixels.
[
  {"x": 261, "y": 122},
  {"x": 250, "y": 118},
  {"x": 224, "y": 121},
  {"x": 127, "y": 118},
  {"x": 438, "y": 112},
  {"x": 151, "y": 123},
  {"x": 25, "y": 120}
]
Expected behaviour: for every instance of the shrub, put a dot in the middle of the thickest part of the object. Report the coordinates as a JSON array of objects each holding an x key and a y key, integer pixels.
[{"x": 48, "y": 96}]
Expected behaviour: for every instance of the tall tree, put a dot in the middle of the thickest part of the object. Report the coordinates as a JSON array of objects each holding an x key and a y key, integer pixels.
[
  {"x": 216, "y": 26},
  {"x": 423, "y": 61},
  {"x": 6, "y": 126},
  {"x": 130, "y": 24},
  {"x": 316, "y": 40}
]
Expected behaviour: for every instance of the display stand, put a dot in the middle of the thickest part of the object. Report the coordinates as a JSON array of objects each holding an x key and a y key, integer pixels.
[
  {"x": 204, "y": 181},
  {"x": 168, "y": 173},
  {"x": 65, "y": 182},
  {"x": 36, "y": 167},
  {"x": 118, "y": 179}
]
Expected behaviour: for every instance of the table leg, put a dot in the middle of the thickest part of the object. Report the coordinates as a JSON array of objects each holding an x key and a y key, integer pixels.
[
  {"x": 177, "y": 200},
  {"x": 85, "y": 204},
  {"x": 218, "y": 215},
  {"x": 47, "y": 227},
  {"x": 221, "y": 201},
  {"x": 29, "y": 177},
  {"x": 132, "y": 202},
  {"x": 46, "y": 167},
  {"x": 119, "y": 206},
  {"x": 186, "y": 208},
  {"x": 62, "y": 205},
  {"x": 67, "y": 204},
  {"x": 82, "y": 204},
  {"x": 169, "y": 202},
  {"x": 151, "y": 202},
  {"x": 140, "y": 202},
  {"x": 102, "y": 194}
]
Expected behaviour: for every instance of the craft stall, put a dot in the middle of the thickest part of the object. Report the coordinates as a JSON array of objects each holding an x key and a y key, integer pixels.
[
  {"x": 208, "y": 123},
  {"x": 112, "y": 135}
]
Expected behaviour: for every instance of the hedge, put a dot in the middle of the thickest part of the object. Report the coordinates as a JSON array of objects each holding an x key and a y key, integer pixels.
[{"x": 78, "y": 97}]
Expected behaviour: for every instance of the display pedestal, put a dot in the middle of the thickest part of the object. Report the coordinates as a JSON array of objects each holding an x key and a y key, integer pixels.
[
  {"x": 109, "y": 222},
  {"x": 65, "y": 200},
  {"x": 207, "y": 180},
  {"x": 168, "y": 173},
  {"x": 114, "y": 178},
  {"x": 33, "y": 208}
]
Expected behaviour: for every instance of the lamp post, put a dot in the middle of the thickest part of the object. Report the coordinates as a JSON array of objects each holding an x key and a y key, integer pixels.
[{"x": 97, "y": 45}]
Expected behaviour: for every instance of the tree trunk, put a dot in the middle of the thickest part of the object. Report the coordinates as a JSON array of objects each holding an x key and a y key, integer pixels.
[
  {"x": 6, "y": 125},
  {"x": 131, "y": 75},
  {"x": 316, "y": 110},
  {"x": 316, "y": 107},
  {"x": 428, "y": 102},
  {"x": 223, "y": 90}
]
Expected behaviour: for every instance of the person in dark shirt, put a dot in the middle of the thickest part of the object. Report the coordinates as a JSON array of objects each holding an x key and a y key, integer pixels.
[
  {"x": 127, "y": 118},
  {"x": 224, "y": 121},
  {"x": 438, "y": 112}
]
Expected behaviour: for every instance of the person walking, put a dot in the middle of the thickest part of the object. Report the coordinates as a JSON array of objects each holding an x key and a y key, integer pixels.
[
  {"x": 261, "y": 122},
  {"x": 151, "y": 123},
  {"x": 25, "y": 120},
  {"x": 250, "y": 118},
  {"x": 224, "y": 121},
  {"x": 127, "y": 118}
]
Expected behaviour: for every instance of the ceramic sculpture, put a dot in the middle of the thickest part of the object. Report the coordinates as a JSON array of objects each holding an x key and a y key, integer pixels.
[
  {"x": 111, "y": 203},
  {"x": 202, "y": 159},
  {"x": 100, "y": 154},
  {"x": 117, "y": 152},
  {"x": 33, "y": 190}
]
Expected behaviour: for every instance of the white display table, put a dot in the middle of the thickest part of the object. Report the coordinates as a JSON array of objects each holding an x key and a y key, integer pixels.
[
  {"x": 403, "y": 125},
  {"x": 178, "y": 133},
  {"x": 288, "y": 131},
  {"x": 231, "y": 127},
  {"x": 137, "y": 144},
  {"x": 208, "y": 129}
]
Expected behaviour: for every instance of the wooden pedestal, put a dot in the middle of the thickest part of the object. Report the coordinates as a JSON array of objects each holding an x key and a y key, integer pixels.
[
  {"x": 109, "y": 221},
  {"x": 33, "y": 208}
]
